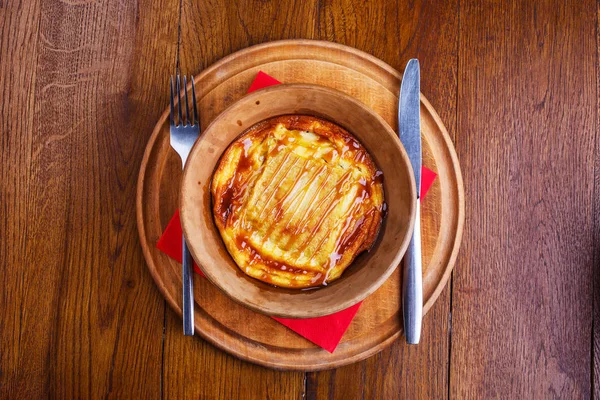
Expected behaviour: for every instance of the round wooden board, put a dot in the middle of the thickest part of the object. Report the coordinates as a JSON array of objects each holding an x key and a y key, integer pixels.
[{"x": 256, "y": 337}]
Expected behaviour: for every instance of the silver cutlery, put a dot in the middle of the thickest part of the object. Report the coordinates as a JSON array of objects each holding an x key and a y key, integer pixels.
[
  {"x": 409, "y": 125},
  {"x": 185, "y": 129}
]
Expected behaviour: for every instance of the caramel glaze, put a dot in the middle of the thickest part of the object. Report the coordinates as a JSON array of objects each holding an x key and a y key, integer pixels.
[{"x": 360, "y": 225}]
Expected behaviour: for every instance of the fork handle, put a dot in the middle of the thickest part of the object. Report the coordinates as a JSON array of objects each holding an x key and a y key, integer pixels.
[{"x": 188, "y": 291}]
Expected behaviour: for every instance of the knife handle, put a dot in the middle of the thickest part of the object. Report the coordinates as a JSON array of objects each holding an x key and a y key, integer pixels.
[
  {"x": 188, "y": 290},
  {"x": 412, "y": 285}
]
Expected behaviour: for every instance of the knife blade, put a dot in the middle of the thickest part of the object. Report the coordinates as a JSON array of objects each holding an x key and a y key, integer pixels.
[{"x": 409, "y": 126}]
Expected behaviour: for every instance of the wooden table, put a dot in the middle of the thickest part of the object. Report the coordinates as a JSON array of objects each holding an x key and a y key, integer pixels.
[{"x": 82, "y": 83}]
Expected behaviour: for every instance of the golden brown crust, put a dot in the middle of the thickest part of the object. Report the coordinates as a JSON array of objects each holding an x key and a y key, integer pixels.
[{"x": 296, "y": 198}]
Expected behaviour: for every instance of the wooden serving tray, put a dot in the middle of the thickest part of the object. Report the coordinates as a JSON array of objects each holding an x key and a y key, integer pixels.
[{"x": 256, "y": 337}]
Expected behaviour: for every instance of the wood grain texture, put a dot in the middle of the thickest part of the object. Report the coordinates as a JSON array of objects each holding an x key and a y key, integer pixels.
[
  {"x": 194, "y": 369},
  {"x": 396, "y": 32},
  {"x": 522, "y": 300},
  {"x": 82, "y": 315},
  {"x": 213, "y": 29},
  {"x": 22, "y": 368},
  {"x": 523, "y": 79},
  {"x": 596, "y": 291}
]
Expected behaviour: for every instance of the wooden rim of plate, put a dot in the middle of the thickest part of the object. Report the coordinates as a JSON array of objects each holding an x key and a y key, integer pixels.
[{"x": 234, "y": 73}]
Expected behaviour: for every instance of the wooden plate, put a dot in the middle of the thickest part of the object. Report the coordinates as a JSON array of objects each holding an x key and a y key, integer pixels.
[
  {"x": 256, "y": 337},
  {"x": 368, "y": 271}
]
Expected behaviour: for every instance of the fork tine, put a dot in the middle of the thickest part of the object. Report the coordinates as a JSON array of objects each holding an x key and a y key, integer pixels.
[
  {"x": 172, "y": 114},
  {"x": 187, "y": 107},
  {"x": 179, "y": 100},
  {"x": 196, "y": 119}
]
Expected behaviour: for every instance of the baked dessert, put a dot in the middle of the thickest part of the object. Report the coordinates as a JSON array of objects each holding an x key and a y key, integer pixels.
[{"x": 296, "y": 198}]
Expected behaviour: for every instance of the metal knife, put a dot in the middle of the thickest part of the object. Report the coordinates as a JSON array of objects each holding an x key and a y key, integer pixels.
[{"x": 409, "y": 125}]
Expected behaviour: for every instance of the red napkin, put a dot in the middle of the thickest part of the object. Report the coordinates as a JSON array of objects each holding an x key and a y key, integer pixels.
[{"x": 326, "y": 331}]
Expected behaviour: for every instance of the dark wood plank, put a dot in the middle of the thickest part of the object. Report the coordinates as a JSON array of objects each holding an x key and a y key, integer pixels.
[
  {"x": 596, "y": 292},
  {"x": 81, "y": 317},
  {"x": 522, "y": 300},
  {"x": 209, "y": 31},
  {"x": 194, "y": 369},
  {"x": 395, "y": 33},
  {"x": 213, "y": 29},
  {"x": 23, "y": 352},
  {"x": 400, "y": 371}
]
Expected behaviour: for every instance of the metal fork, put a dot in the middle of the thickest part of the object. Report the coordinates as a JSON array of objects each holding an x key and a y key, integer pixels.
[{"x": 184, "y": 133}]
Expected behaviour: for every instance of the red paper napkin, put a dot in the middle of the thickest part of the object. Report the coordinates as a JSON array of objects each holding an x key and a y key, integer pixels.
[{"x": 326, "y": 331}]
